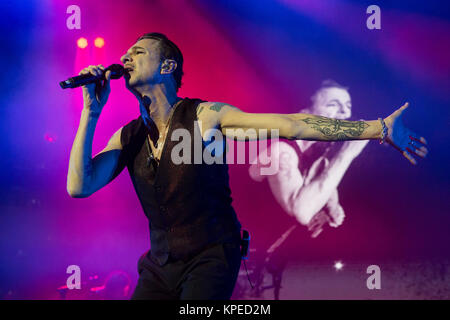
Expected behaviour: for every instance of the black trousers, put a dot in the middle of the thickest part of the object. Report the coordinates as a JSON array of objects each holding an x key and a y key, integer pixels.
[{"x": 210, "y": 275}]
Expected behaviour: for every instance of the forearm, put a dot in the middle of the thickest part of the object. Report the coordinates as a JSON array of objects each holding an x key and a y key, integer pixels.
[
  {"x": 80, "y": 163},
  {"x": 312, "y": 197},
  {"x": 318, "y": 128}
]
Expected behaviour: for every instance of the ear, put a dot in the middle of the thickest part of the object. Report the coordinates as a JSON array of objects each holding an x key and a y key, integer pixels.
[{"x": 168, "y": 66}]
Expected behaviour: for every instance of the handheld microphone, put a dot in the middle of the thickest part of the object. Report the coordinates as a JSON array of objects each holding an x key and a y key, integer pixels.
[{"x": 117, "y": 71}]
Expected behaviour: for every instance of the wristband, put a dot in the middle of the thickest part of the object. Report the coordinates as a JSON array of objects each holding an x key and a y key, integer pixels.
[{"x": 384, "y": 131}]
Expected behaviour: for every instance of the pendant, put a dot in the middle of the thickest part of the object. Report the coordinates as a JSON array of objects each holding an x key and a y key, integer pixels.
[{"x": 149, "y": 160}]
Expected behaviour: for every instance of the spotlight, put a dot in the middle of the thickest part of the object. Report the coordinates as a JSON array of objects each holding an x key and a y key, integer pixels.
[
  {"x": 99, "y": 42},
  {"x": 82, "y": 43},
  {"x": 49, "y": 138},
  {"x": 338, "y": 265}
]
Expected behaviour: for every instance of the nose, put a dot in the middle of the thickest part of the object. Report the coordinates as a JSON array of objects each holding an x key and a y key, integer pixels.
[
  {"x": 125, "y": 58},
  {"x": 344, "y": 109}
]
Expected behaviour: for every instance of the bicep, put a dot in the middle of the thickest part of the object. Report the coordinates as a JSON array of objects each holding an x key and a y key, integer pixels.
[
  {"x": 244, "y": 126},
  {"x": 105, "y": 163}
]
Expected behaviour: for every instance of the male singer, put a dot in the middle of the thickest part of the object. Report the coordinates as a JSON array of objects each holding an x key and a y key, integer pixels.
[{"x": 194, "y": 231}]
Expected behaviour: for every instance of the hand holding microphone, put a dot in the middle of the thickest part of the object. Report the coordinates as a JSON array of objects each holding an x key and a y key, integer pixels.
[{"x": 95, "y": 81}]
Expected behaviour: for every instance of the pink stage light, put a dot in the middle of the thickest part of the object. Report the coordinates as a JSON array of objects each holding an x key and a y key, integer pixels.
[
  {"x": 82, "y": 43},
  {"x": 49, "y": 138},
  {"x": 99, "y": 42}
]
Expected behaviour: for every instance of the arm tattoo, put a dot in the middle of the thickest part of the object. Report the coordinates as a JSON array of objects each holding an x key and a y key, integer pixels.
[
  {"x": 337, "y": 129},
  {"x": 217, "y": 106}
]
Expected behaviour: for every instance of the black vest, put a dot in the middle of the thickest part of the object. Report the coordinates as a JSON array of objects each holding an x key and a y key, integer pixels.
[
  {"x": 188, "y": 205},
  {"x": 320, "y": 150}
]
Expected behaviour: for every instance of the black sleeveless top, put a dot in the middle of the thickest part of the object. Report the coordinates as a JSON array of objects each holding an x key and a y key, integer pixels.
[
  {"x": 319, "y": 151},
  {"x": 189, "y": 204}
]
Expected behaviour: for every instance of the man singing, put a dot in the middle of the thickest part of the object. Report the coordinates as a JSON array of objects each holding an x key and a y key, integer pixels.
[
  {"x": 194, "y": 231},
  {"x": 304, "y": 186}
]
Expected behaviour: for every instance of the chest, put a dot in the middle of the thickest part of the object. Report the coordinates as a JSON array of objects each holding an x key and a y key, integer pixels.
[{"x": 205, "y": 126}]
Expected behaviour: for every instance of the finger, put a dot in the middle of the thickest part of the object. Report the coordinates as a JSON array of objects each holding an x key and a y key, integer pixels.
[
  {"x": 422, "y": 150},
  {"x": 84, "y": 71},
  {"x": 108, "y": 75},
  {"x": 313, "y": 225},
  {"x": 316, "y": 233},
  {"x": 408, "y": 156},
  {"x": 96, "y": 71},
  {"x": 400, "y": 110},
  {"x": 415, "y": 143},
  {"x": 310, "y": 226},
  {"x": 415, "y": 137},
  {"x": 108, "y": 81},
  {"x": 404, "y": 107},
  {"x": 416, "y": 151},
  {"x": 90, "y": 70}
]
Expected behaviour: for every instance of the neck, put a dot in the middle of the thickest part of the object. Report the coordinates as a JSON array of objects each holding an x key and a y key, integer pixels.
[{"x": 156, "y": 101}]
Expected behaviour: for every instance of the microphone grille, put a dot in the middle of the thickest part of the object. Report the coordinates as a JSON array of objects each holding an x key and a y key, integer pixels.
[{"x": 117, "y": 71}]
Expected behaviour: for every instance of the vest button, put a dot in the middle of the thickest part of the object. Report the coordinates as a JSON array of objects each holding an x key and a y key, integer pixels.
[
  {"x": 158, "y": 188},
  {"x": 162, "y": 209}
]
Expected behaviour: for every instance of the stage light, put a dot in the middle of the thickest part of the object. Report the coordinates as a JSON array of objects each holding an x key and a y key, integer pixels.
[
  {"x": 49, "y": 138},
  {"x": 338, "y": 265},
  {"x": 82, "y": 43},
  {"x": 99, "y": 42}
]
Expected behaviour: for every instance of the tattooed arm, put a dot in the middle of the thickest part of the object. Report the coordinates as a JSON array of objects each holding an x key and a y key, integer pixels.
[
  {"x": 298, "y": 126},
  {"x": 241, "y": 125}
]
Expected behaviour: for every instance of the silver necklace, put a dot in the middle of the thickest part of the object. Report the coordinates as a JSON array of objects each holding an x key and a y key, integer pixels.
[{"x": 151, "y": 158}]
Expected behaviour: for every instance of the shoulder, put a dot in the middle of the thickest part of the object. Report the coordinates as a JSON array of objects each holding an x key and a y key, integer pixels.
[
  {"x": 130, "y": 130},
  {"x": 133, "y": 126},
  {"x": 214, "y": 108},
  {"x": 213, "y": 113}
]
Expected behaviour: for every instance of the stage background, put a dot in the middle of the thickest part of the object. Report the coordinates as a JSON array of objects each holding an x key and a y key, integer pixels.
[{"x": 261, "y": 56}]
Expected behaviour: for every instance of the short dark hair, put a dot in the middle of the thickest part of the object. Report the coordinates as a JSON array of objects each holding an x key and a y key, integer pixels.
[
  {"x": 330, "y": 83},
  {"x": 326, "y": 84},
  {"x": 168, "y": 50}
]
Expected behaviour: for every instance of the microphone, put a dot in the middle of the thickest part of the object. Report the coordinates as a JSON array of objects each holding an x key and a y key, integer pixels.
[{"x": 117, "y": 71}]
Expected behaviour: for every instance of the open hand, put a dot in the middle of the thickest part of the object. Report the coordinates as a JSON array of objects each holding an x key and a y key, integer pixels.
[{"x": 403, "y": 139}]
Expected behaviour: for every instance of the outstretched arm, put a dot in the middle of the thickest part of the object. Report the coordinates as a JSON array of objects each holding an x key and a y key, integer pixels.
[{"x": 302, "y": 126}]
